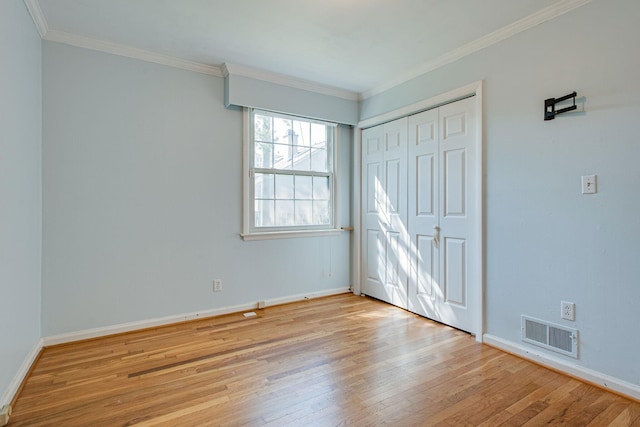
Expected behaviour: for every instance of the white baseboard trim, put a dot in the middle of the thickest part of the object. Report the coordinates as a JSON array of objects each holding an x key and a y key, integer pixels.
[
  {"x": 161, "y": 321},
  {"x": 570, "y": 368},
  {"x": 20, "y": 376},
  {"x": 312, "y": 295}
]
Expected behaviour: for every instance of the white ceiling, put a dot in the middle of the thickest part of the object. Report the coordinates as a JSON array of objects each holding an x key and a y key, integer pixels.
[{"x": 355, "y": 45}]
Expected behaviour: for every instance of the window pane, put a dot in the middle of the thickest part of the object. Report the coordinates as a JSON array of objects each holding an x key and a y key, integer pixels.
[
  {"x": 282, "y": 130},
  {"x": 318, "y": 135},
  {"x": 321, "y": 213},
  {"x": 304, "y": 212},
  {"x": 283, "y": 156},
  {"x": 303, "y": 187},
  {"x": 302, "y": 160},
  {"x": 319, "y": 160},
  {"x": 263, "y": 155},
  {"x": 284, "y": 212},
  {"x": 264, "y": 186},
  {"x": 302, "y": 131},
  {"x": 321, "y": 188},
  {"x": 262, "y": 128},
  {"x": 264, "y": 215},
  {"x": 284, "y": 187}
]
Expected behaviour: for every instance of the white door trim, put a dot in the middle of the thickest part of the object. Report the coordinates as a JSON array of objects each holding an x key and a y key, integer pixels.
[
  {"x": 426, "y": 104},
  {"x": 356, "y": 217},
  {"x": 435, "y": 101}
]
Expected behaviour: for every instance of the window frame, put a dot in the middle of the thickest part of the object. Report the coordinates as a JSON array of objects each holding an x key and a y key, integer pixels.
[{"x": 250, "y": 231}]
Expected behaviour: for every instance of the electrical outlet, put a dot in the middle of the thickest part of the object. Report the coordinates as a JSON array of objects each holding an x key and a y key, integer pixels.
[
  {"x": 217, "y": 285},
  {"x": 568, "y": 310}
]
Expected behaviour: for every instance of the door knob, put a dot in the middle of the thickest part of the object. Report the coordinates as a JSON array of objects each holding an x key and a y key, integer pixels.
[{"x": 436, "y": 236}]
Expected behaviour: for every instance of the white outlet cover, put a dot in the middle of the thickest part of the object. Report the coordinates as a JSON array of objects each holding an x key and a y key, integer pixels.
[{"x": 568, "y": 310}]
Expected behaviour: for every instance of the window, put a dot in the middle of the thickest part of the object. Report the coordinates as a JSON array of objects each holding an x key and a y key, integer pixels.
[{"x": 291, "y": 183}]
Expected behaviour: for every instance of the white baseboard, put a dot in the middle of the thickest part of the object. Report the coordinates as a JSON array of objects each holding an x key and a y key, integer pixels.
[
  {"x": 312, "y": 295},
  {"x": 14, "y": 386},
  {"x": 150, "y": 323},
  {"x": 570, "y": 368}
]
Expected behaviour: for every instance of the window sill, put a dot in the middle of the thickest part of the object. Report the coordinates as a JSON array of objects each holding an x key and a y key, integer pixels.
[{"x": 290, "y": 234}]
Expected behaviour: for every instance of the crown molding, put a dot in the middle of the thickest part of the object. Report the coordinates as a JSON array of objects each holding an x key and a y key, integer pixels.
[
  {"x": 131, "y": 52},
  {"x": 33, "y": 6},
  {"x": 490, "y": 39},
  {"x": 293, "y": 82},
  {"x": 546, "y": 14}
]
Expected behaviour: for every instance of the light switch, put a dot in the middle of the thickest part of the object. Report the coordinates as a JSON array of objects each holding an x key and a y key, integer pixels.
[{"x": 589, "y": 184}]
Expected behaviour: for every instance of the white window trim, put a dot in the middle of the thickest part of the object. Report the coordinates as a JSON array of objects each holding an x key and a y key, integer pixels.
[{"x": 248, "y": 233}]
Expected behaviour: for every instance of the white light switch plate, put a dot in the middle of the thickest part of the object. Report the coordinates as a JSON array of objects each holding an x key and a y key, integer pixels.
[{"x": 589, "y": 184}]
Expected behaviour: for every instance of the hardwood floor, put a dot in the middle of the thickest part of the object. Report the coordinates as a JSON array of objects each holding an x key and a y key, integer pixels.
[{"x": 342, "y": 360}]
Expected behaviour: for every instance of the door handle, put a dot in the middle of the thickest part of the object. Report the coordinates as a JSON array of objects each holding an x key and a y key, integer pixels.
[{"x": 436, "y": 236}]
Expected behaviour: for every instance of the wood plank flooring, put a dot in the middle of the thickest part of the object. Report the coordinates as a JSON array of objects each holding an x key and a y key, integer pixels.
[{"x": 342, "y": 360}]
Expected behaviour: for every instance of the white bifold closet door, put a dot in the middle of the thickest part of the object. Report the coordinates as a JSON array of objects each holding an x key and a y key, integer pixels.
[
  {"x": 384, "y": 170},
  {"x": 419, "y": 222}
]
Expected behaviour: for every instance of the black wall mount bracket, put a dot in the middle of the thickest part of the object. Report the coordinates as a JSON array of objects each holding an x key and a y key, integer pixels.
[{"x": 550, "y": 106}]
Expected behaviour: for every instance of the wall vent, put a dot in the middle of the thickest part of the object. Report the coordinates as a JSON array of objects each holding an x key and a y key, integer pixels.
[{"x": 550, "y": 336}]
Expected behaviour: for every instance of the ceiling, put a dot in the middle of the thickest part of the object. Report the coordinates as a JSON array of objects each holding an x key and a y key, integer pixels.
[{"x": 358, "y": 46}]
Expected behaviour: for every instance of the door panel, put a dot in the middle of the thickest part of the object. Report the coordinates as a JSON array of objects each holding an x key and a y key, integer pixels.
[
  {"x": 426, "y": 132},
  {"x": 454, "y": 124},
  {"x": 457, "y": 214},
  {"x": 425, "y": 168},
  {"x": 425, "y": 266},
  {"x": 393, "y": 265},
  {"x": 454, "y": 189},
  {"x": 393, "y": 135},
  {"x": 374, "y": 241},
  {"x": 393, "y": 187},
  {"x": 454, "y": 278},
  {"x": 385, "y": 188},
  {"x": 395, "y": 158},
  {"x": 423, "y": 212},
  {"x": 373, "y": 254},
  {"x": 373, "y": 172}
]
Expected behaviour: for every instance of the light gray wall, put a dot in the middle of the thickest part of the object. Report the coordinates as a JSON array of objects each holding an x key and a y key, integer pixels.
[
  {"x": 143, "y": 199},
  {"x": 545, "y": 242},
  {"x": 20, "y": 188}
]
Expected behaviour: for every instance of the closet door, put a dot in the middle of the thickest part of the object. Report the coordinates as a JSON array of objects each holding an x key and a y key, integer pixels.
[
  {"x": 385, "y": 236},
  {"x": 458, "y": 269},
  {"x": 442, "y": 145},
  {"x": 425, "y": 293}
]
